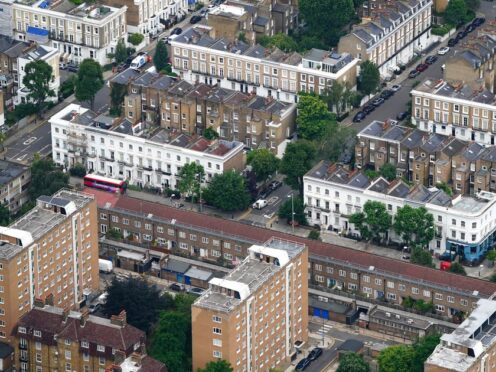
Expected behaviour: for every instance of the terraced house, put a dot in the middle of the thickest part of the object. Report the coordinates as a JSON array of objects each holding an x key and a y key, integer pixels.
[
  {"x": 391, "y": 35},
  {"x": 181, "y": 107},
  {"x": 76, "y": 31},
  {"x": 199, "y": 58}
]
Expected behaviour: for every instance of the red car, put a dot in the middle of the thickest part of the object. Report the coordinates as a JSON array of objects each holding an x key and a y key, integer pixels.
[{"x": 422, "y": 67}]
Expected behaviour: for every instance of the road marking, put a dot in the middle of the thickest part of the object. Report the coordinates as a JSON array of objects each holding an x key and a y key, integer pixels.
[
  {"x": 29, "y": 141},
  {"x": 272, "y": 200},
  {"x": 21, "y": 158}
]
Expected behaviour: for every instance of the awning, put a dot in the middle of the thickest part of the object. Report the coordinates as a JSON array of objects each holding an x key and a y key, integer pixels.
[{"x": 37, "y": 34}]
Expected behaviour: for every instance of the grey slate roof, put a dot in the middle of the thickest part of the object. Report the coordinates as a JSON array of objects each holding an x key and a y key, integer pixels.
[{"x": 176, "y": 266}]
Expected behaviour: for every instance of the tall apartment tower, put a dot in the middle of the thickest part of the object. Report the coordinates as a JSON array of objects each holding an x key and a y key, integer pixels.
[
  {"x": 50, "y": 254},
  {"x": 256, "y": 316}
]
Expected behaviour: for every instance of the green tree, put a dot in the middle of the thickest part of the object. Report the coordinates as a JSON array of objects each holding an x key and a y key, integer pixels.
[
  {"x": 120, "y": 51},
  {"x": 210, "y": 133},
  {"x": 493, "y": 278},
  {"x": 299, "y": 211},
  {"x": 78, "y": 170},
  {"x": 297, "y": 161},
  {"x": 422, "y": 349},
  {"x": 282, "y": 41},
  {"x": 227, "y": 192},
  {"x": 190, "y": 177},
  {"x": 491, "y": 256},
  {"x": 337, "y": 13},
  {"x": 313, "y": 117},
  {"x": 374, "y": 222},
  {"x": 335, "y": 96},
  {"x": 115, "y": 234},
  {"x": 263, "y": 162},
  {"x": 369, "y": 78},
  {"x": 38, "y": 75},
  {"x": 117, "y": 94},
  {"x": 142, "y": 301},
  {"x": 396, "y": 358},
  {"x": 414, "y": 225},
  {"x": 336, "y": 141},
  {"x": 420, "y": 256},
  {"x": 456, "y": 12},
  {"x": 457, "y": 268},
  {"x": 242, "y": 37},
  {"x": 161, "y": 56},
  {"x": 89, "y": 81},
  {"x": 46, "y": 178},
  {"x": 445, "y": 187},
  {"x": 314, "y": 235},
  {"x": 352, "y": 362},
  {"x": 217, "y": 366},
  {"x": 4, "y": 215},
  {"x": 135, "y": 38},
  {"x": 388, "y": 171}
]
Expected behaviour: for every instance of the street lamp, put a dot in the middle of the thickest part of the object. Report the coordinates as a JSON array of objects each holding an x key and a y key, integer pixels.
[
  {"x": 292, "y": 212},
  {"x": 480, "y": 269}
]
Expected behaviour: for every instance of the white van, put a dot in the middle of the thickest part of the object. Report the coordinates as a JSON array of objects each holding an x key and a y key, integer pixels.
[{"x": 259, "y": 204}]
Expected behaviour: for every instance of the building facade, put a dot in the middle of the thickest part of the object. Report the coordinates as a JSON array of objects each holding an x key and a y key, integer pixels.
[
  {"x": 76, "y": 31},
  {"x": 143, "y": 156},
  {"x": 391, "y": 35},
  {"x": 197, "y": 57},
  {"x": 55, "y": 339},
  {"x": 10, "y": 50},
  {"x": 256, "y": 314},
  {"x": 461, "y": 110},
  {"x": 331, "y": 268},
  {"x": 14, "y": 183},
  {"x": 181, "y": 107},
  {"x": 51, "y": 253},
  {"x": 463, "y": 223}
]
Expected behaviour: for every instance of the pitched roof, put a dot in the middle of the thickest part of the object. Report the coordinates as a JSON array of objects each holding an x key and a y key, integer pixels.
[{"x": 316, "y": 248}]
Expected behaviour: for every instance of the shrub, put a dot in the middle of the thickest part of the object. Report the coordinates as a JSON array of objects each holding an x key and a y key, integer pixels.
[
  {"x": 78, "y": 170},
  {"x": 314, "y": 235},
  {"x": 441, "y": 30},
  {"x": 135, "y": 38}
]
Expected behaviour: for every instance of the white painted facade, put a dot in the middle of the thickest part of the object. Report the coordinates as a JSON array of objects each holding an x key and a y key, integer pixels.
[{"x": 151, "y": 11}]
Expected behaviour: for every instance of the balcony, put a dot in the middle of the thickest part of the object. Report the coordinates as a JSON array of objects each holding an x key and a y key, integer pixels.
[
  {"x": 23, "y": 358},
  {"x": 23, "y": 346}
]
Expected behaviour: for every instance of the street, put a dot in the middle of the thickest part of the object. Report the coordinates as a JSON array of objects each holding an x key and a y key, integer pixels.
[{"x": 38, "y": 141}]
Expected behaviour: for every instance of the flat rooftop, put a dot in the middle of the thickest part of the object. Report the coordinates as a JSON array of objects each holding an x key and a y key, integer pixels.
[
  {"x": 399, "y": 318},
  {"x": 471, "y": 204},
  {"x": 10, "y": 171},
  {"x": 458, "y": 90},
  {"x": 84, "y": 10}
]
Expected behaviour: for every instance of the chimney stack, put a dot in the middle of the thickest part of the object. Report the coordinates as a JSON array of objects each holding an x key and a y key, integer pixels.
[
  {"x": 38, "y": 302},
  {"x": 120, "y": 320},
  {"x": 84, "y": 317},
  {"x": 65, "y": 314}
]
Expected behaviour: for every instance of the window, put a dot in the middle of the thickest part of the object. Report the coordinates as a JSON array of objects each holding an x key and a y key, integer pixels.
[
  {"x": 217, "y": 331},
  {"x": 415, "y": 290},
  {"x": 450, "y": 299},
  {"x": 216, "y": 319},
  {"x": 440, "y": 308},
  {"x": 85, "y": 344},
  {"x": 67, "y": 354},
  {"x": 217, "y": 342},
  {"x": 37, "y": 333},
  {"x": 100, "y": 348},
  {"x": 21, "y": 330},
  {"x": 217, "y": 354},
  {"x": 342, "y": 273}
]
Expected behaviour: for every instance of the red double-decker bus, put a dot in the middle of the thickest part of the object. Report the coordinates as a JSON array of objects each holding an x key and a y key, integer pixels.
[{"x": 105, "y": 183}]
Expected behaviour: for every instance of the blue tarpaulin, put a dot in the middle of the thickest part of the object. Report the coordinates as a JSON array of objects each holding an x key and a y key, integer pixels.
[{"x": 37, "y": 31}]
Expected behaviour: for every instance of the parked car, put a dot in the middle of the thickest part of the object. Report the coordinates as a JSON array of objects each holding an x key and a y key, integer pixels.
[
  {"x": 72, "y": 67},
  {"x": 93, "y": 308},
  {"x": 478, "y": 21},
  {"x": 315, "y": 353},
  {"x": 452, "y": 42},
  {"x": 430, "y": 60},
  {"x": 177, "y": 31},
  {"x": 177, "y": 287},
  {"x": 442, "y": 51},
  {"x": 395, "y": 87},
  {"x": 264, "y": 193},
  {"x": 62, "y": 65},
  {"x": 405, "y": 257},
  {"x": 461, "y": 35},
  {"x": 195, "y": 19},
  {"x": 368, "y": 109},
  {"x": 121, "y": 67},
  {"x": 402, "y": 115},
  {"x": 413, "y": 74},
  {"x": 422, "y": 67},
  {"x": 303, "y": 364},
  {"x": 259, "y": 204},
  {"x": 274, "y": 185},
  {"x": 378, "y": 101},
  {"x": 386, "y": 93},
  {"x": 196, "y": 291},
  {"x": 359, "y": 116}
]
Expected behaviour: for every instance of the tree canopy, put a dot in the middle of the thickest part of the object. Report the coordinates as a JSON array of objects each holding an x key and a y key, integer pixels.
[
  {"x": 46, "y": 178},
  {"x": 373, "y": 222},
  {"x": 336, "y": 13},
  {"x": 414, "y": 225},
  {"x": 352, "y": 362},
  {"x": 217, "y": 366},
  {"x": 38, "y": 75},
  {"x": 420, "y": 256},
  {"x": 457, "y": 268},
  {"x": 297, "y": 161},
  {"x": 227, "y": 192},
  {"x": 120, "y": 51},
  {"x": 117, "y": 94},
  {"x": 161, "y": 56},
  {"x": 388, "y": 171},
  {"x": 142, "y": 301},
  {"x": 135, "y": 38},
  {"x": 263, "y": 162},
  {"x": 189, "y": 177},
  {"x": 89, "y": 81},
  {"x": 4, "y": 215},
  {"x": 369, "y": 78},
  {"x": 282, "y": 41},
  {"x": 313, "y": 117},
  {"x": 456, "y": 12},
  {"x": 299, "y": 210}
]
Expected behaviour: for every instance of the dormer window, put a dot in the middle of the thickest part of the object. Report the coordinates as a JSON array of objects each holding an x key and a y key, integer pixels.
[{"x": 37, "y": 333}]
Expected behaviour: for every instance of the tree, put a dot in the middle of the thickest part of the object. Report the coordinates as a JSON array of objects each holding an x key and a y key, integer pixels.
[
  {"x": 388, "y": 171},
  {"x": 491, "y": 256},
  {"x": 282, "y": 41},
  {"x": 414, "y": 225},
  {"x": 161, "y": 56},
  {"x": 190, "y": 177},
  {"x": 493, "y": 278},
  {"x": 210, "y": 133},
  {"x": 263, "y": 162},
  {"x": 142, "y": 301},
  {"x": 38, "y": 75},
  {"x": 335, "y": 96},
  {"x": 314, "y": 235},
  {"x": 337, "y": 14},
  {"x": 299, "y": 211},
  {"x": 78, "y": 170},
  {"x": 4, "y": 215},
  {"x": 456, "y": 12},
  {"x": 373, "y": 222},
  {"x": 352, "y": 362},
  {"x": 396, "y": 358},
  {"x": 135, "y": 38},
  {"x": 217, "y": 366},
  {"x": 336, "y": 142},
  {"x": 422, "y": 349},
  {"x": 46, "y": 178},
  {"x": 89, "y": 81},
  {"x": 242, "y": 37},
  {"x": 457, "y": 268},
  {"x": 445, "y": 187},
  {"x": 369, "y": 78},
  {"x": 227, "y": 192},
  {"x": 313, "y": 117},
  {"x": 297, "y": 161},
  {"x": 117, "y": 94},
  {"x": 120, "y": 51},
  {"x": 420, "y": 256}
]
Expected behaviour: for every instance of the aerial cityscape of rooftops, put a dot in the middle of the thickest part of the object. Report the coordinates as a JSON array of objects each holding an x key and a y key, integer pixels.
[{"x": 247, "y": 185}]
